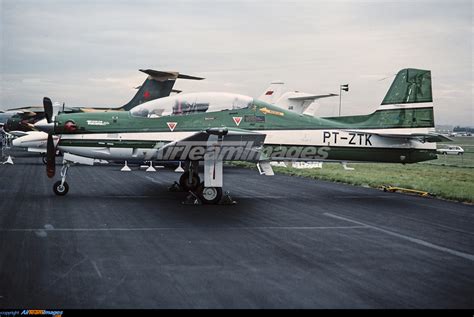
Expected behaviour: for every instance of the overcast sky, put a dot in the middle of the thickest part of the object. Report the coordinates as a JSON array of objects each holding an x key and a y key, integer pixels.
[{"x": 87, "y": 53}]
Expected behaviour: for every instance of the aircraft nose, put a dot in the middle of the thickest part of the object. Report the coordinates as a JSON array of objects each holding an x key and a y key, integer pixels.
[
  {"x": 16, "y": 142},
  {"x": 44, "y": 126}
]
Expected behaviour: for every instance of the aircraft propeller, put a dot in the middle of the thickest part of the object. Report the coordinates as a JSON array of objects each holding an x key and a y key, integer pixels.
[
  {"x": 50, "y": 148},
  {"x": 48, "y": 109}
]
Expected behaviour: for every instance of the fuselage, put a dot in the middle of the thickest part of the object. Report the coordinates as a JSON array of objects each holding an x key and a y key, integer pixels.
[{"x": 132, "y": 135}]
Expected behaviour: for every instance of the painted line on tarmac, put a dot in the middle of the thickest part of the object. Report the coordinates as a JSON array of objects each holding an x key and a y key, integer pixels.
[
  {"x": 96, "y": 268},
  {"x": 414, "y": 240},
  {"x": 156, "y": 181},
  {"x": 182, "y": 228}
]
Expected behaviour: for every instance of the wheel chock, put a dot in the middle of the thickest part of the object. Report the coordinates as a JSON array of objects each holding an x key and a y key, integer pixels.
[
  {"x": 175, "y": 187},
  {"x": 192, "y": 199},
  {"x": 227, "y": 199}
]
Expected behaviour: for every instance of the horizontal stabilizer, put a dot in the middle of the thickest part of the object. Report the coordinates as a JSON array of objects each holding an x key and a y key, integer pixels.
[
  {"x": 183, "y": 76},
  {"x": 166, "y": 75},
  {"x": 299, "y": 101},
  {"x": 423, "y": 137},
  {"x": 303, "y": 96}
]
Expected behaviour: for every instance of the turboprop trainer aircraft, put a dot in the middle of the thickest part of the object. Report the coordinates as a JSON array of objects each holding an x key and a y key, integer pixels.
[{"x": 217, "y": 127}]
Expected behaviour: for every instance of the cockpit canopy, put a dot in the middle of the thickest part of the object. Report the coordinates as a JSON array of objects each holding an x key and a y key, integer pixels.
[{"x": 185, "y": 104}]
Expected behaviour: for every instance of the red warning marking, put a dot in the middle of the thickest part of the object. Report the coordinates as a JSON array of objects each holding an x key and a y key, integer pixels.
[
  {"x": 171, "y": 125},
  {"x": 237, "y": 120}
]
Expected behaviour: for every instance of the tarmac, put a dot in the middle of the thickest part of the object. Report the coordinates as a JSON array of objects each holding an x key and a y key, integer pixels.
[{"x": 122, "y": 240}]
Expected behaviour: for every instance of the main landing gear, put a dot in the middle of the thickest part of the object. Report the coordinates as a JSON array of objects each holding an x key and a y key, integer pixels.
[
  {"x": 209, "y": 195},
  {"x": 198, "y": 192},
  {"x": 189, "y": 181}
]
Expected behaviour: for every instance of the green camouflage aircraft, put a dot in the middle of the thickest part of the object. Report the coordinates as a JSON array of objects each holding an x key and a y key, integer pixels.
[{"x": 217, "y": 127}]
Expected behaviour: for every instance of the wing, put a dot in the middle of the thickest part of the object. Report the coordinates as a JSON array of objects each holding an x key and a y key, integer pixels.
[{"x": 228, "y": 143}]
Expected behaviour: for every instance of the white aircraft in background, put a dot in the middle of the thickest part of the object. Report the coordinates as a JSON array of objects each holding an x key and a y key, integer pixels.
[
  {"x": 291, "y": 100},
  {"x": 34, "y": 141},
  {"x": 297, "y": 102}
]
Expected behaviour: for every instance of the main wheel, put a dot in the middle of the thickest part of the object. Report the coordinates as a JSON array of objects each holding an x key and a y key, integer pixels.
[
  {"x": 189, "y": 185},
  {"x": 60, "y": 190},
  {"x": 210, "y": 195}
]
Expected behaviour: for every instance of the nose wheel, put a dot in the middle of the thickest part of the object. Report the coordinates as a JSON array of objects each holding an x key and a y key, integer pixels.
[{"x": 60, "y": 188}]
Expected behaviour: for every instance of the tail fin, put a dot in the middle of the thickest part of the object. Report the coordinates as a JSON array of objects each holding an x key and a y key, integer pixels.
[
  {"x": 272, "y": 93},
  {"x": 158, "y": 84},
  {"x": 410, "y": 86},
  {"x": 409, "y": 101},
  {"x": 408, "y": 104}
]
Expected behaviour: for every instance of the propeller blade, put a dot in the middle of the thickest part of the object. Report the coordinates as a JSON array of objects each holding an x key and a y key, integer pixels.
[
  {"x": 50, "y": 157},
  {"x": 48, "y": 109}
]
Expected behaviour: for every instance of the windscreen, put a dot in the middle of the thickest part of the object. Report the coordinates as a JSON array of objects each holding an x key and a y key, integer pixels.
[{"x": 186, "y": 104}]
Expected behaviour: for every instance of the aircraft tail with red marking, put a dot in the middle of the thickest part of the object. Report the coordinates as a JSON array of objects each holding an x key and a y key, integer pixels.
[{"x": 158, "y": 84}]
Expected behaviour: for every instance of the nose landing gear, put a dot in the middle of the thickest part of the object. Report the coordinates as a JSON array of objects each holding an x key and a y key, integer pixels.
[{"x": 61, "y": 187}]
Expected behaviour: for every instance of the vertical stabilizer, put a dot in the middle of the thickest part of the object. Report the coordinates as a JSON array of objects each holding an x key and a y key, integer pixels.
[
  {"x": 273, "y": 92},
  {"x": 410, "y": 86},
  {"x": 158, "y": 84}
]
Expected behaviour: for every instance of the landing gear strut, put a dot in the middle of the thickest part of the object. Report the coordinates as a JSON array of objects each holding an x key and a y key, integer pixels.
[
  {"x": 190, "y": 180},
  {"x": 61, "y": 187},
  {"x": 198, "y": 192}
]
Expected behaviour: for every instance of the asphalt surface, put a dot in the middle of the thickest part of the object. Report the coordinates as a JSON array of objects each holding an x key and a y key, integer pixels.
[{"x": 122, "y": 240}]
